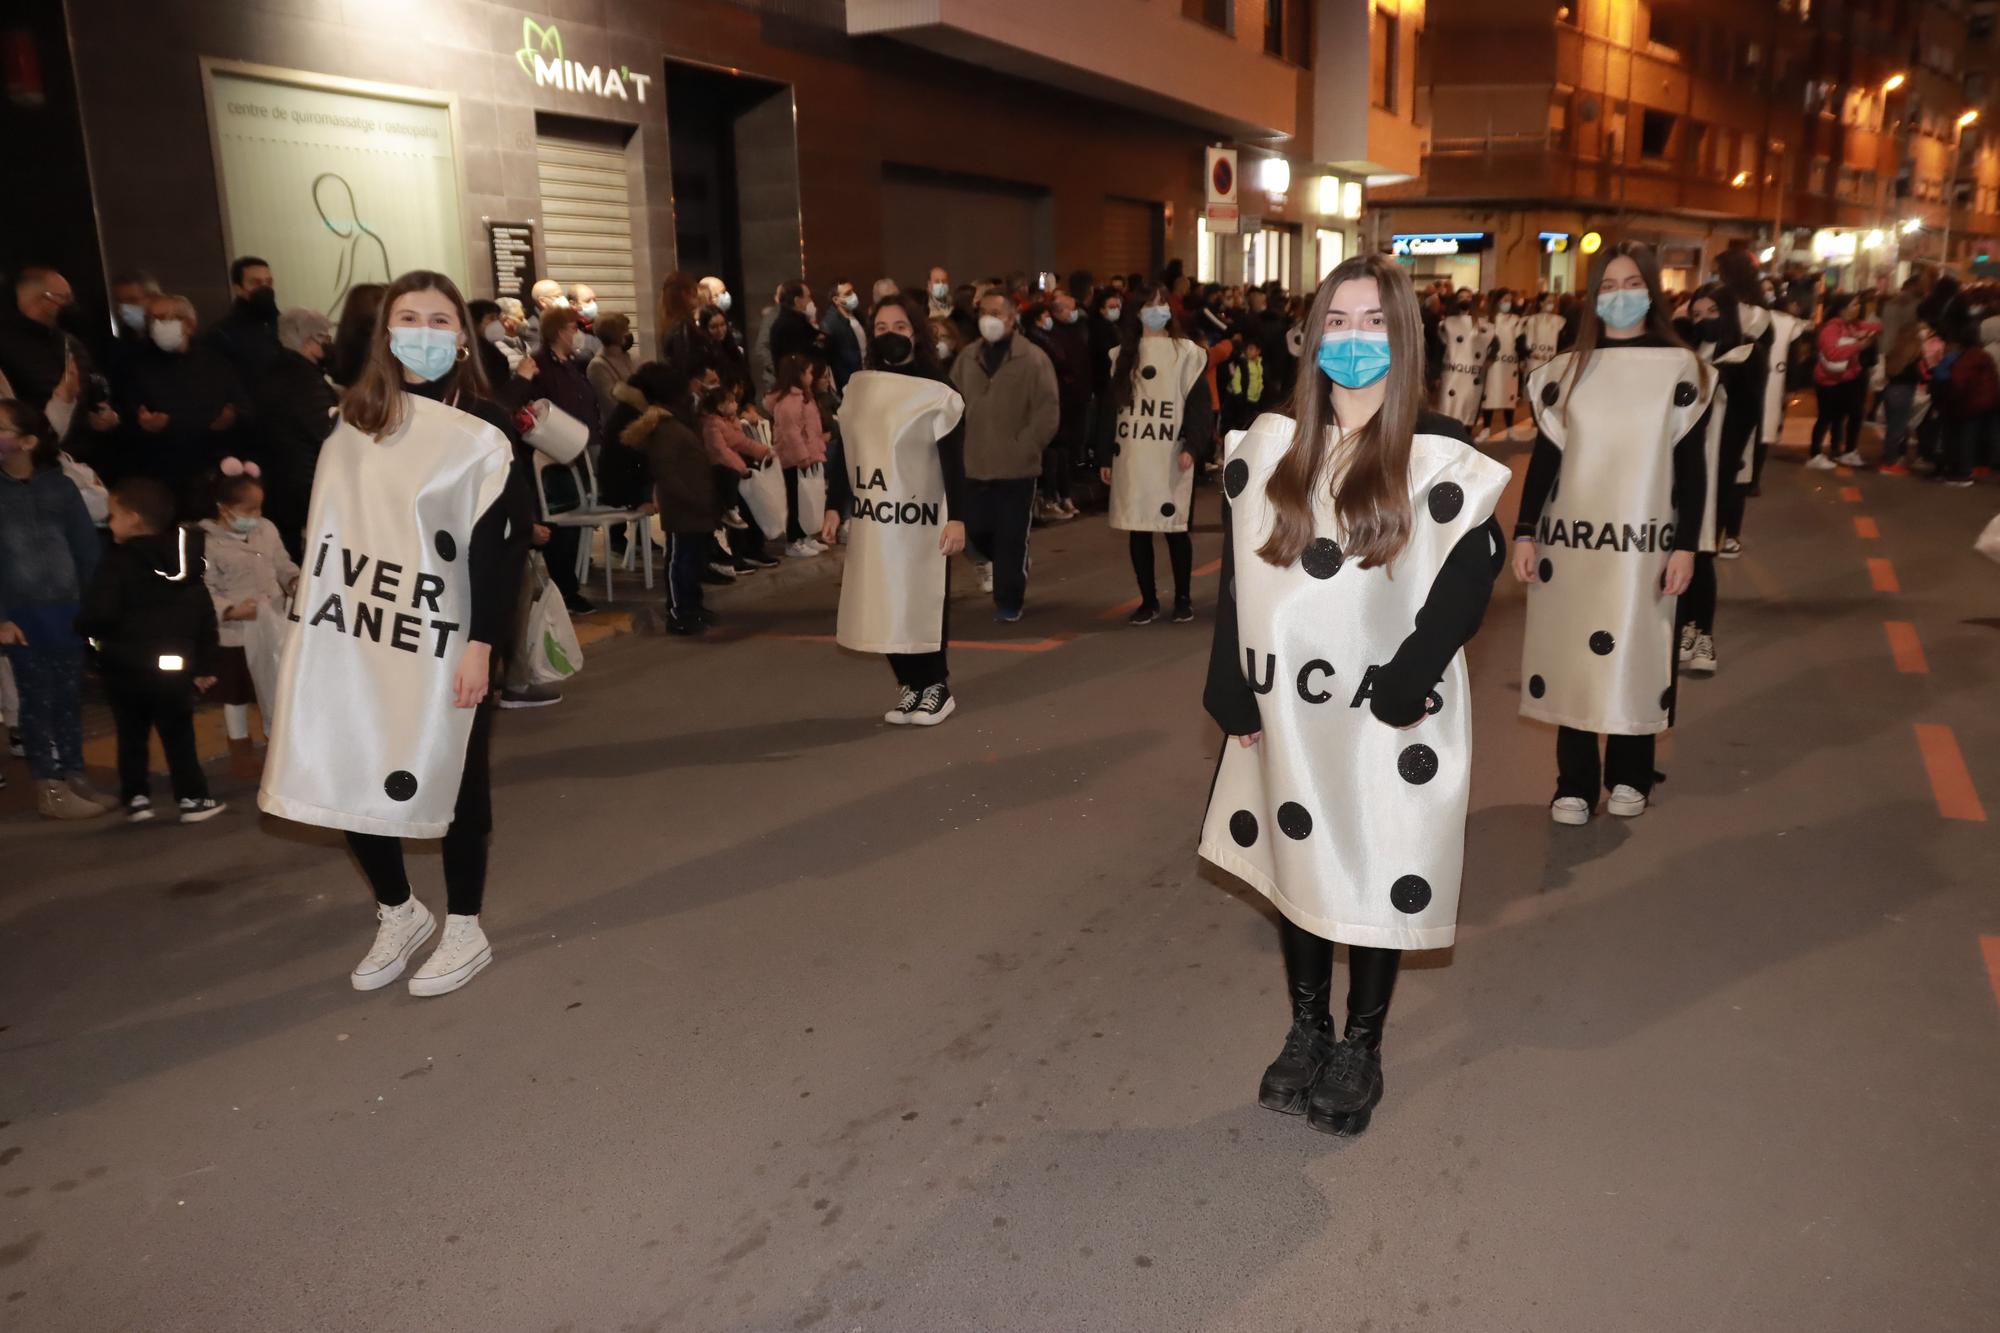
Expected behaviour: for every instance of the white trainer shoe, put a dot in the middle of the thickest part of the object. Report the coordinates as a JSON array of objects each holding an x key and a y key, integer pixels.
[
  {"x": 1731, "y": 549},
  {"x": 1702, "y": 661},
  {"x": 1820, "y": 463},
  {"x": 1569, "y": 810},
  {"x": 403, "y": 928},
  {"x": 462, "y": 955},
  {"x": 985, "y": 577},
  {"x": 1851, "y": 459},
  {"x": 1626, "y": 802},
  {"x": 1688, "y": 633}
]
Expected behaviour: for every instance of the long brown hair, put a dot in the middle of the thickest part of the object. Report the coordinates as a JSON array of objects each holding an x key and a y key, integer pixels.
[
  {"x": 374, "y": 403},
  {"x": 923, "y": 356},
  {"x": 1371, "y": 492},
  {"x": 1659, "y": 316},
  {"x": 1126, "y": 387},
  {"x": 680, "y": 298}
]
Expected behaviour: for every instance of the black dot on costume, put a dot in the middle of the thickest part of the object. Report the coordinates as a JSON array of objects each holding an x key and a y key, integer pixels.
[
  {"x": 1451, "y": 393},
  {"x": 1235, "y": 477},
  {"x": 1294, "y": 821},
  {"x": 1418, "y": 764},
  {"x": 1550, "y": 393},
  {"x": 1322, "y": 559},
  {"x": 1461, "y": 337},
  {"x": 1547, "y": 570},
  {"x": 400, "y": 785},
  {"x": 1243, "y": 828},
  {"x": 1447, "y": 498},
  {"x": 1167, "y": 509},
  {"x": 446, "y": 544},
  {"x": 1147, "y": 372},
  {"x": 1411, "y": 894},
  {"x": 1537, "y": 687},
  {"x": 1602, "y": 643},
  {"x": 1684, "y": 394}
]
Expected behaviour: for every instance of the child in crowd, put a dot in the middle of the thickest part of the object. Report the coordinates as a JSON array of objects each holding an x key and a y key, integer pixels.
[
  {"x": 800, "y": 440},
  {"x": 1245, "y": 390},
  {"x": 148, "y": 609},
  {"x": 686, "y": 484},
  {"x": 250, "y": 575},
  {"x": 731, "y": 450}
]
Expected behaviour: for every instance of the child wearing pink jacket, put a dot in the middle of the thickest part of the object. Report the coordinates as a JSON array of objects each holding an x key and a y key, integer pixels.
[{"x": 799, "y": 438}]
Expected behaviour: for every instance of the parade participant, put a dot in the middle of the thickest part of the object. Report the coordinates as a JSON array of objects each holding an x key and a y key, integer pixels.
[
  {"x": 1714, "y": 332},
  {"x": 1544, "y": 333},
  {"x": 898, "y": 473},
  {"x": 1736, "y": 271},
  {"x": 1466, "y": 342},
  {"x": 1611, "y": 514},
  {"x": 1154, "y": 431},
  {"x": 1343, "y": 796},
  {"x": 418, "y": 527},
  {"x": 1503, "y": 372}
]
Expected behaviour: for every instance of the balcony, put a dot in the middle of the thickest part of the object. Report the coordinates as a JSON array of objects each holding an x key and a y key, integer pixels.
[{"x": 1191, "y": 73}]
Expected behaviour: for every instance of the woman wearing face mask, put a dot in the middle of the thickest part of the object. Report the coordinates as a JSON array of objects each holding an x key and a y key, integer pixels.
[
  {"x": 1543, "y": 333},
  {"x": 1342, "y": 795},
  {"x": 612, "y": 366},
  {"x": 249, "y": 575},
  {"x": 1713, "y": 331},
  {"x": 1503, "y": 372},
  {"x": 1467, "y": 340},
  {"x": 560, "y": 379},
  {"x": 503, "y": 357},
  {"x": 1611, "y": 516},
  {"x": 419, "y": 525},
  {"x": 897, "y": 471},
  {"x": 1153, "y": 432},
  {"x": 1765, "y": 330},
  {"x": 181, "y": 401}
]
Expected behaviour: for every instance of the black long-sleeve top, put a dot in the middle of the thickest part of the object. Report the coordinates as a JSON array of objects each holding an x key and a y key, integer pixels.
[
  {"x": 1690, "y": 469},
  {"x": 498, "y": 547},
  {"x": 1450, "y": 616},
  {"x": 951, "y": 459}
]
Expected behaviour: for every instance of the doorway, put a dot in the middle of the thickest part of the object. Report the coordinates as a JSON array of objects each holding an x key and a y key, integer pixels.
[{"x": 734, "y": 154}]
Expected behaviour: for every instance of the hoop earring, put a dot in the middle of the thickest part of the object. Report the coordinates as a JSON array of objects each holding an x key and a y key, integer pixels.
[{"x": 463, "y": 351}]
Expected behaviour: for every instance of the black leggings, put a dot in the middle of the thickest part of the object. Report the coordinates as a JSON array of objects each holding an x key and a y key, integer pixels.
[
  {"x": 1697, "y": 604},
  {"x": 920, "y": 671},
  {"x": 1628, "y": 762},
  {"x": 1371, "y": 979},
  {"x": 1839, "y": 411},
  {"x": 794, "y": 530},
  {"x": 1180, "y": 554},
  {"x": 1504, "y": 413},
  {"x": 465, "y": 840}
]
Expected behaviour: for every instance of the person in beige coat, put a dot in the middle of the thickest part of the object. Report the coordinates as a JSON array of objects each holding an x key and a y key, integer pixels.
[
  {"x": 1012, "y": 409},
  {"x": 249, "y": 575}
]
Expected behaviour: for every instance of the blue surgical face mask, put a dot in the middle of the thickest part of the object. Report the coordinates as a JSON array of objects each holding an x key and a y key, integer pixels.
[
  {"x": 428, "y": 353},
  {"x": 242, "y": 523},
  {"x": 1623, "y": 308},
  {"x": 1354, "y": 358},
  {"x": 1155, "y": 317},
  {"x": 588, "y": 310}
]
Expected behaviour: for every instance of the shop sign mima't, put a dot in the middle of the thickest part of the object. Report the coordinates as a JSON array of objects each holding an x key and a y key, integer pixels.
[{"x": 541, "y": 59}]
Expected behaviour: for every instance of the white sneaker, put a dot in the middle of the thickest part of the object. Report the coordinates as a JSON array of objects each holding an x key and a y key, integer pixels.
[
  {"x": 1702, "y": 661},
  {"x": 818, "y": 547},
  {"x": 1626, "y": 802},
  {"x": 1819, "y": 463},
  {"x": 403, "y": 928},
  {"x": 800, "y": 551},
  {"x": 1569, "y": 810},
  {"x": 906, "y": 703},
  {"x": 1687, "y": 641},
  {"x": 462, "y": 955},
  {"x": 194, "y": 812},
  {"x": 1850, "y": 459},
  {"x": 985, "y": 576},
  {"x": 1732, "y": 549}
]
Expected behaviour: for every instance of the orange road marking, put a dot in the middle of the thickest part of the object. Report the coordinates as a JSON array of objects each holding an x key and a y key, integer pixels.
[
  {"x": 1864, "y": 528},
  {"x": 1883, "y": 575},
  {"x": 1906, "y": 649},
  {"x": 989, "y": 645},
  {"x": 1131, "y": 604},
  {"x": 1843, "y": 471},
  {"x": 1990, "y": 946},
  {"x": 1951, "y": 782},
  {"x": 1851, "y": 494}
]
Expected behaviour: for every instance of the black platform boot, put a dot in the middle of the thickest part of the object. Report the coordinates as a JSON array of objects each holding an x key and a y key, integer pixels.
[
  {"x": 1309, "y": 1045},
  {"x": 1343, "y": 1101}
]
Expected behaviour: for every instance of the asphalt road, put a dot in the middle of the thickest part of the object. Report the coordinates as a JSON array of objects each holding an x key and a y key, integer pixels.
[{"x": 802, "y": 1022}]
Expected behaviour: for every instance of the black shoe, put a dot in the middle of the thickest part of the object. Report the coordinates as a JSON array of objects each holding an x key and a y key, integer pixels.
[
  {"x": 1344, "y": 1099},
  {"x": 758, "y": 560},
  {"x": 704, "y": 617},
  {"x": 933, "y": 706},
  {"x": 580, "y": 607},
  {"x": 1147, "y": 613},
  {"x": 1183, "y": 612},
  {"x": 716, "y": 577},
  {"x": 685, "y": 628},
  {"x": 1288, "y": 1083}
]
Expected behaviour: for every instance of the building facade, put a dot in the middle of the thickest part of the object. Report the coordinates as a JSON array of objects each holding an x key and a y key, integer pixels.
[{"x": 612, "y": 141}]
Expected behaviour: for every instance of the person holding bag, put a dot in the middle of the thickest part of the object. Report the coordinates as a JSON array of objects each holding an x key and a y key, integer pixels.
[
  {"x": 1841, "y": 383},
  {"x": 250, "y": 577}
]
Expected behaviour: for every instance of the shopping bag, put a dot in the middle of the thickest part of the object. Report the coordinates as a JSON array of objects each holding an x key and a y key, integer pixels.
[
  {"x": 1988, "y": 544},
  {"x": 763, "y": 491},
  {"x": 263, "y": 645},
  {"x": 812, "y": 497},
  {"x": 553, "y": 653}
]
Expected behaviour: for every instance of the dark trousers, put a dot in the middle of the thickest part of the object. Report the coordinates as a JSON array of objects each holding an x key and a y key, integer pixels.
[
  {"x": 1371, "y": 980},
  {"x": 1965, "y": 445},
  {"x": 687, "y": 556},
  {"x": 1898, "y": 400},
  {"x": 1839, "y": 412},
  {"x": 1002, "y": 512},
  {"x": 560, "y": 556},
  {"x": 48, "y": 673},
  {"x": 140, "y": 712},
  {"x": 794, "y": 530},
  {"x": 465, "y": 839},
  {"x": 1628, "y": 762},
  {"x": 920, "y": 671},
  {"x": 1180, "y": 555},
  {"x": 1697, "y": 604}
]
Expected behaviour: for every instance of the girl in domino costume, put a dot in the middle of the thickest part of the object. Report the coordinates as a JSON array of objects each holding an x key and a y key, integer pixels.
[
  {"x": 1543, "y": 334},
  {"x": 1611, "y": 516},
  {"x": 1503, "y": 372},
  {"x": 1467, "y": 337},
  {"x": 1159, "y": 428},
  {"x": 1359, "y": 552},
  {"x": 898, "y": 469},
  {"x": 418, "y": 526}
]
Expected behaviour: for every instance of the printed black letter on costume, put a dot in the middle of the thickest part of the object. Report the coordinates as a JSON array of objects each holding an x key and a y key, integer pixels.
[
  {"x": 1270, "y": 670},
  {"x": 1306, "y": 691}
]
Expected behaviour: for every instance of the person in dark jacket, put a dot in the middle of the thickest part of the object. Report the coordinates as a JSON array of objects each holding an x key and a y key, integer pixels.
[
  {"x": 795, "y": 329},
  {"x": 560, "y": 378},
  {"x": 656, "y": 417},
  {"x": 247, "y": 337},
  {"x": 181, "y": 401},
  {"x": 1067, "y": 341},
  {"x": 149, "y": 612},
  {"x": 294, "y": 412},
  {"x": 39, "y": 358}
]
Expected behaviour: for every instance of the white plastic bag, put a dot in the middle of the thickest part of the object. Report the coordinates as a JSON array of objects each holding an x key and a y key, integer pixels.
[
  {"x": 812, "y": 497},
  {"x": 549, "y": 639},
  {"x": 263, "y": 645},
  {"x": 1988, "y": 544},
  {"x": 764, "y": 489}
]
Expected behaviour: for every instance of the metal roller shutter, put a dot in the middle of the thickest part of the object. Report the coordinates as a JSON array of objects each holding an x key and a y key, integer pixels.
[
  {"x": 1130, "y": 229},
  {"x": 587, "y": 219}
]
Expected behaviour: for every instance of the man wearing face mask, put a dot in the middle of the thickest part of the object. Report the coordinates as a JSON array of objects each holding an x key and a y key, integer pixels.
[
  {"x": 294, "y": 412},
  {"x": 795, "y": 328},
  {"x": 1012, "y": 409},
  {"x": 561, "y": 379},
  {"x": 937, "y": 291},
  {"x": 547, "y": 295},
  {"x": 583, "y": 300},
  {"x": 182, "y": 400},
  {"x": 714, "y": 291},
  {"x": 846, "y": 341},
  {"x": 43, "y": 362},
  {"x": 247, "y": 337},
  {"x": 1066, "y": 338}
]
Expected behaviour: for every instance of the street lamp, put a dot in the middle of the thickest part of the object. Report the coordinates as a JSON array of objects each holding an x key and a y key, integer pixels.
[
  {"x": 1951, "y": 189},
  {"x": 1892, "y": 83}
]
